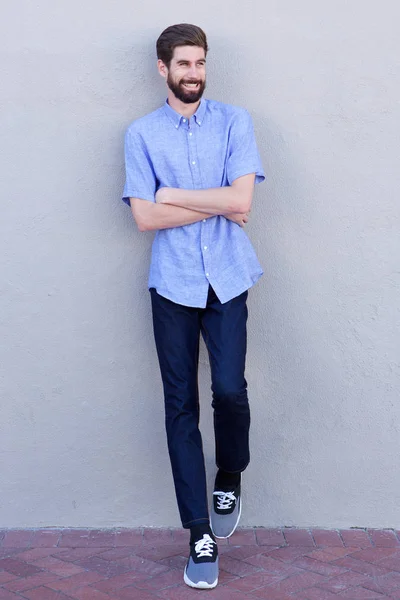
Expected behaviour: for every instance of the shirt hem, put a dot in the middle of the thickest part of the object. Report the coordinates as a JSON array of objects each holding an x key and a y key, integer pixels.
[
  {"x": 240, "y": 290},
  {"x": 169, "y": 297}
]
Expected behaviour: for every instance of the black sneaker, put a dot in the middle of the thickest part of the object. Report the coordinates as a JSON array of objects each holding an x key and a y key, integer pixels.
[
  {"x": 225, "y": 511},
  {"x": 201, "y": 570}
]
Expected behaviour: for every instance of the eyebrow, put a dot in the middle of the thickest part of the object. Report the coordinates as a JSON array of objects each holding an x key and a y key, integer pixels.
[{"x": 183, "y": 60}]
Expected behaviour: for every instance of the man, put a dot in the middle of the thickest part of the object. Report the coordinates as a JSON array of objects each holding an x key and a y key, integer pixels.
[{"x": 191, "y": 166}]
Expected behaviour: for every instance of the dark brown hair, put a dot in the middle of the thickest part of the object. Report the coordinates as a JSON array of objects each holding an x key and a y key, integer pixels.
[{"x": 179, "y": 35}]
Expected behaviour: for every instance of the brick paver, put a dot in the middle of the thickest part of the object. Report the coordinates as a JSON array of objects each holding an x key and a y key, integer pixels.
[{"x": 147, "y": 564}]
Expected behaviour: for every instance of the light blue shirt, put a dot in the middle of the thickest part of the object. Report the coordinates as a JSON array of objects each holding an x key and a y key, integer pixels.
[{"x": 211, "y": 149}]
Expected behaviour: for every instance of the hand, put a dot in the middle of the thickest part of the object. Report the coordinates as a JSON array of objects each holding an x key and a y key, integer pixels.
[
  {"x": 161, "y": 195},
  {"x": 240, "y": 218}
]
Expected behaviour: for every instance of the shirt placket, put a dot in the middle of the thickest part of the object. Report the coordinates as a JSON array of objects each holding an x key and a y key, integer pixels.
[{"x": 197, "y": 184}]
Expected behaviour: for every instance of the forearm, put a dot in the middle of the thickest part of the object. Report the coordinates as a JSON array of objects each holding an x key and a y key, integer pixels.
[
  {"x": 235, "y": 198},
  {"x": 214, "y": 201},
  {"x": 150, "y": 216}
]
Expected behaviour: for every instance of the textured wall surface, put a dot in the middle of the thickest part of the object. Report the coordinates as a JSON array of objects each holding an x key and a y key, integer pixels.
[{"x": 81, "y": 433}]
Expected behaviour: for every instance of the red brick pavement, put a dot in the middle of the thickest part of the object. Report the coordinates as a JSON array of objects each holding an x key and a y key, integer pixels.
[{"x": 145, "y": 564}]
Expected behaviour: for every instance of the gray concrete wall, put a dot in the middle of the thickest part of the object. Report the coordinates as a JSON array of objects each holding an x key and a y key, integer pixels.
[{"x": 81, "y": 435}]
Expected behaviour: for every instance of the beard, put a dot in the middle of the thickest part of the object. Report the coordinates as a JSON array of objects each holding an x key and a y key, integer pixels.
[{"x": 183, "y": 94}]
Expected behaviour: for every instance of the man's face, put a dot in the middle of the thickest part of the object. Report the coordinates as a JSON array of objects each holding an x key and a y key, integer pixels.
[{"x": 187, "y": 73}]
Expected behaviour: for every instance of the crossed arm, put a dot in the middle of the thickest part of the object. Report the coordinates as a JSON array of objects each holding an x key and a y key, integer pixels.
[{"x": 175, "y": 207}]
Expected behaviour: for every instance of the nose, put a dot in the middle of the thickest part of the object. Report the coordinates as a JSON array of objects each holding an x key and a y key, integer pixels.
[{"x": 192, "y": 73}]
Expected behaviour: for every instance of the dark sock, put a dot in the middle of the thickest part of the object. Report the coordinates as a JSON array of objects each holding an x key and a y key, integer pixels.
[
  {"x": 226, "y": 481},
  {"x": 197, "y": 532}
]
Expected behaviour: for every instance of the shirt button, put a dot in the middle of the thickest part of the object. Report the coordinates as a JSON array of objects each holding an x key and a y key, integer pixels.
[
  {"x": 184, "y": 120},
  {"x": 193, "y": 162},
  {"x": 207, "y": 274},
  {"x": 199, "y": 122},
  {"x": 190, "y": 133},
  {"x": 205, "y": 247},
  {"x": 204, "y": 220},
  {"x": 177, "y": 126}
]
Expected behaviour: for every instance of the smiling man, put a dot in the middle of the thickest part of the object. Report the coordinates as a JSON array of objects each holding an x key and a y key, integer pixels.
[{"x": 191, "y": 166}]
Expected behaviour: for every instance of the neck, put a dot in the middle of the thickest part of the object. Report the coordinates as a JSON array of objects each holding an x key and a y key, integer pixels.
[{"x": 186, "y": 110}]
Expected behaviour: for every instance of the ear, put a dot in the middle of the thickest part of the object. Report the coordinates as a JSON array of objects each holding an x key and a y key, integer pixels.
[{"x": 162, "y": 69}]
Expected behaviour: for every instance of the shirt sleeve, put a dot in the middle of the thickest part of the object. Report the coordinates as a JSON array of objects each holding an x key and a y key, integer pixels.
[
  {"x": 243, "y": 155},
  {"x": 140, "y": 179}
]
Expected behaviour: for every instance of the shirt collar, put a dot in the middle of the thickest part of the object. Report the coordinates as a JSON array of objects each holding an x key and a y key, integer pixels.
[
  {"x": 200, "y": 112},
  {"x": 176, "y": 118}
]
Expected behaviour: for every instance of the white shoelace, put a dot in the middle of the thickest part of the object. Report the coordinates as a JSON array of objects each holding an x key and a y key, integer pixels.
[
  {"x": 204, "y": 547},
  {"x": 225, "y": 500}
]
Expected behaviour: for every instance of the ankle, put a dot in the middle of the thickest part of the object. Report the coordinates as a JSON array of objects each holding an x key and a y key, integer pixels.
[{"x": 226, "y": 480}]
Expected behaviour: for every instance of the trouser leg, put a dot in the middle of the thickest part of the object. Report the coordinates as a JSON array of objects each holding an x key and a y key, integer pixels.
[
  {"x": 177, "y": 334},
  {"x": 223, "y": 327}
]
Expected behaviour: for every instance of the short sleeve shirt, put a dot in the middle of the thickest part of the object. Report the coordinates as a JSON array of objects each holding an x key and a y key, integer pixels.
[{"x": 211, "y": 149}]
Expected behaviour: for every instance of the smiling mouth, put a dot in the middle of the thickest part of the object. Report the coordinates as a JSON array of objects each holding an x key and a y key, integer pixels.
[{"x": 190, "y": 86}]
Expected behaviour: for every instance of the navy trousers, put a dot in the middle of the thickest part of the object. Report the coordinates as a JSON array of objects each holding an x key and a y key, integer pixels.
[{"x": 177, "y": 331}]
